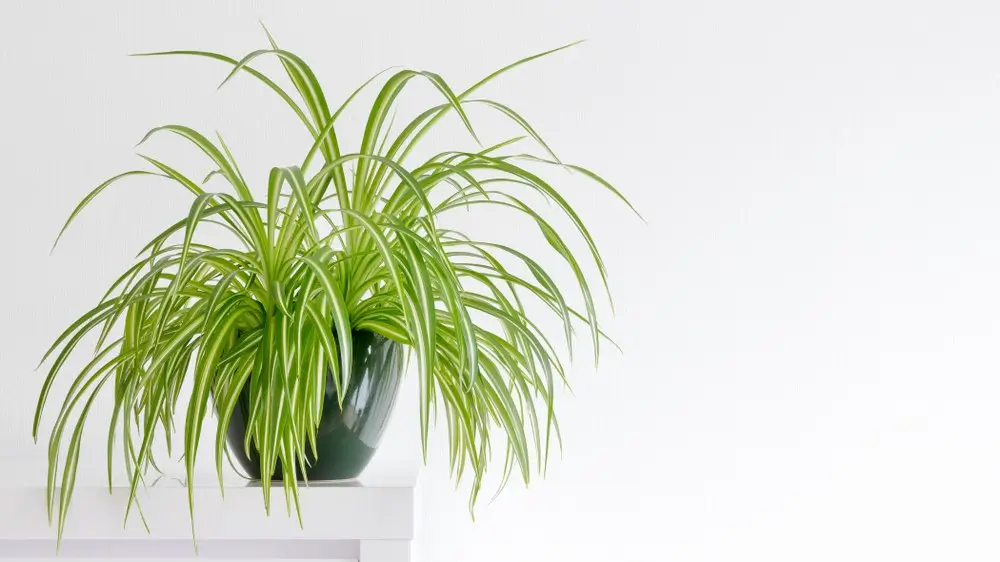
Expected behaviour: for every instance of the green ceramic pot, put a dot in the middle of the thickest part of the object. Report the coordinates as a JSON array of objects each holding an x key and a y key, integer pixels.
[{"x": 346, "y": 438}]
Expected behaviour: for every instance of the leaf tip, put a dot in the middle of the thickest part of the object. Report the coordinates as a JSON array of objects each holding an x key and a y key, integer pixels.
[{"x": 55, "y": 242}]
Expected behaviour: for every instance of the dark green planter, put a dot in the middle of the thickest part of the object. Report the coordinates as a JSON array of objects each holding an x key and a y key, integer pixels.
[{"x": 346, "y": 439}]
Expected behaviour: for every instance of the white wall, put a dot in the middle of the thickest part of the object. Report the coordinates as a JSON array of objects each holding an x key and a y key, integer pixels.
[{"x": 809, "y": 318}]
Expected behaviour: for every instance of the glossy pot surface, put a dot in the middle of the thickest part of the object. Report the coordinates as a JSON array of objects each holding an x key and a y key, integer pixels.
[{"x": 346, "y": 438}]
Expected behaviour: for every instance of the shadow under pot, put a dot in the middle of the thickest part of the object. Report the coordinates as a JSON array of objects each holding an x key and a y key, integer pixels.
[{"x": 347, "y": 438}]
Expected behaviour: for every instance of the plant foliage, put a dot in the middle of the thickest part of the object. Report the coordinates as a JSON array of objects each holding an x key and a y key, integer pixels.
[{"x": 343, "y": 241}]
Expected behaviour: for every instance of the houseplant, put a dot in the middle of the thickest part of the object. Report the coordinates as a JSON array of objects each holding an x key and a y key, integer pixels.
[{"x": 336, "y": 269}]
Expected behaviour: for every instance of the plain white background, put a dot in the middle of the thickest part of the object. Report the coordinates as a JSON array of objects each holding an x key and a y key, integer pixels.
[{"x": 809, "y": 318}]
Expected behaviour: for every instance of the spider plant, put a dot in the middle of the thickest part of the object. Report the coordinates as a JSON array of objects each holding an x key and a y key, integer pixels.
[{"x": 341, "y": 241}]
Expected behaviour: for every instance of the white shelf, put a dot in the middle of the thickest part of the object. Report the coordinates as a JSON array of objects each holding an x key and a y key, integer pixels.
[{"x": 371, "y": 520}]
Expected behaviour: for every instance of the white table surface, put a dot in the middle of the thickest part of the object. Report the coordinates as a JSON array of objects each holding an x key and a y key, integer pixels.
[{"x": 371, "y": 519}]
